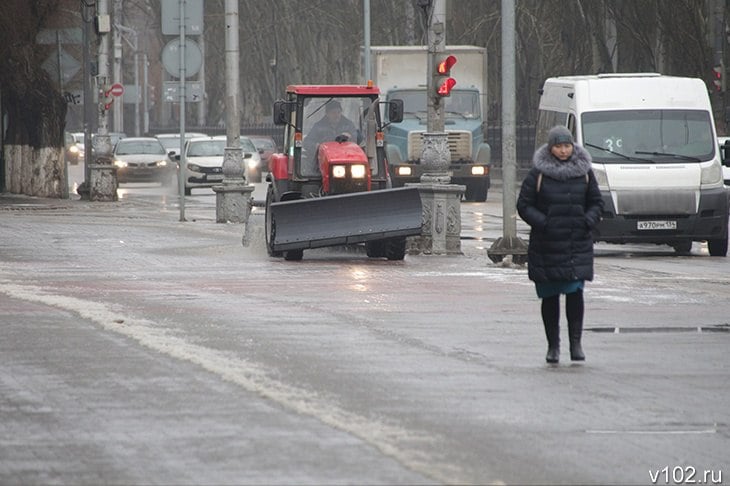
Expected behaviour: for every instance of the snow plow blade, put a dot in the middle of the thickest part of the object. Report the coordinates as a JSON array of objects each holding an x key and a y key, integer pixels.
[{"x": 346, "y": 219}]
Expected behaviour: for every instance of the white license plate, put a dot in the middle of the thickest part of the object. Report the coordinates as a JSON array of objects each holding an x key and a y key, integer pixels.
[{"x": 656, "y": 225}]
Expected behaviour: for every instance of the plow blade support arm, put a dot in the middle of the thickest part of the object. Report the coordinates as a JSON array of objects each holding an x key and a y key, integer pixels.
[{"x": 346, "y": 219}]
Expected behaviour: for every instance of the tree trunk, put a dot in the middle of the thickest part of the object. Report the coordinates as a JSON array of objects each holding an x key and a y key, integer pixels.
[{"x": 35, "y": 110}]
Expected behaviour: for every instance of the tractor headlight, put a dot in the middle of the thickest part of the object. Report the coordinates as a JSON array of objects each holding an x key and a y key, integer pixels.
[
  {"x": 339, "y": 171},
  {"x": 477, "y": 170},
  {"x": 404, "y": 171},
  {"x": 357, "y": 171}
]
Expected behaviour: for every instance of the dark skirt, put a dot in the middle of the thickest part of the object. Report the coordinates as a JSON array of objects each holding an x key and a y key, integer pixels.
[{"x": 549, "y": 289}]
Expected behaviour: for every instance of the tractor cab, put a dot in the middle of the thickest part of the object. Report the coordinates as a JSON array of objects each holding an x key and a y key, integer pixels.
[{"x": 333, "y": 139}]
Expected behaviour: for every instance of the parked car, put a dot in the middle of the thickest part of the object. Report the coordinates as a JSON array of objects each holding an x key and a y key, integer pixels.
[
  {"x": 265, "y": 146},
  {"x": 721, "y": 141},
  {"x": 171, "y": 141},
  {"x": 143, "y": 159},
  {"x": 204, "y": 161}
]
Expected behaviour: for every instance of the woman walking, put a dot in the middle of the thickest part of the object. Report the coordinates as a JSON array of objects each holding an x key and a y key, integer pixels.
[{"x": 561, "y": 202}]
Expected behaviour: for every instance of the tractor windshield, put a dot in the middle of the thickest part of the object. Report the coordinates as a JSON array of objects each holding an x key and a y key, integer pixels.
[{"x": 333, "y": 118}]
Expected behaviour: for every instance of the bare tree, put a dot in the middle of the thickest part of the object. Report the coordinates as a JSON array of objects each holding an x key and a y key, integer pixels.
[{"x": 35, "y": 109}]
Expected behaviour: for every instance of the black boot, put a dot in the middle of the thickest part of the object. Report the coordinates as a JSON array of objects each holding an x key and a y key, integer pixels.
[
  {"x": 551, "y": 321},
  {"x": 552, "y": 333},
  {"x": 575, "y": 331}
]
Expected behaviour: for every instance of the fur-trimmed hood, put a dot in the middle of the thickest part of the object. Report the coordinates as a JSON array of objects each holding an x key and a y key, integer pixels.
[{"x": 579, "y": 164}]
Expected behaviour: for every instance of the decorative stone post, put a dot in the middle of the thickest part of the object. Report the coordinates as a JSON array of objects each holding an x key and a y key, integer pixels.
[
  {"x": 233, "y": 197},
  {"x": 441, "y": 220},
  {"x": 103, "y": 181}
]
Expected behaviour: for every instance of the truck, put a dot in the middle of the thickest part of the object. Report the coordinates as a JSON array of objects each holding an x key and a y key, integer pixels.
[
  {"x": 332, "y": 187},
  {"x": 401, "y": 73},
  {"x": 653, "y": 144}
]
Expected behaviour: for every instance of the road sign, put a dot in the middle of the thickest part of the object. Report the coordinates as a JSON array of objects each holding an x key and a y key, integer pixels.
[
  {"x": 116, "y": 90},
  {"x": 171, "y": 91},
  {"x": 171, "y": 57},
  {"x": 69, "y": 65},
  {"x": 193, "y": 17}
]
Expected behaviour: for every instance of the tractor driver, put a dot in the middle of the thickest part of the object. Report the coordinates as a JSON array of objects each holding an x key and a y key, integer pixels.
[{"x": 333, "y": 126}]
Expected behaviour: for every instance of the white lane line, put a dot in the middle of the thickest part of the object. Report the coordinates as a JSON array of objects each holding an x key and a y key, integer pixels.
[{"x": 393, "y": 441}]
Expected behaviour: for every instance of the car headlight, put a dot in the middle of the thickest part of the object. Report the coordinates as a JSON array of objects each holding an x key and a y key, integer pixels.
[
  {"x": 339, "y": 171},
  {"x": 73, "y": 149},
  {"x": 601, "y": 177},
  {"x": 404, "y": 171},
  {"x": 252, "y": 163},
  {"x": 162, "y": 163},
  {"x": 120, "y": 164},
  {"x": 712, "y": 174},
  {"x": 477, "y": 170},
  {"x": 194, "y": 167},
  {"x": 357, "y": 171}
]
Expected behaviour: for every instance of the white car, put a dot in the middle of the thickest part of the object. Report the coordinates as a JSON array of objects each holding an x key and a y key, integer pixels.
[
  {"x": 725, "y": 162},
  {"x": 171, "y": 141},
  {"x": 204, "y": 161}
]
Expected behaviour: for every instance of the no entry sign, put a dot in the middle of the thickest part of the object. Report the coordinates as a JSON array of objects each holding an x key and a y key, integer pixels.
[{"x": 116, "y": 90}]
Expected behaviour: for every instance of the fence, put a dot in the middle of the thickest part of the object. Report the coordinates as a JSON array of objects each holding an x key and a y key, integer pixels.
[{"x": 525, "y": 138}]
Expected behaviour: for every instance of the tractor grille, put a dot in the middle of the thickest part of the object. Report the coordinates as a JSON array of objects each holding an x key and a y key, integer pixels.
[{"x": 459, "y": 145}]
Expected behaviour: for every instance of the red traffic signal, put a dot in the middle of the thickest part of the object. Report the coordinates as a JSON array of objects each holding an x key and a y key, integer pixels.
[
  {"x": 443, "y": 83},
  {"x": 444, "y": 89},
  {"x": 444, "y": 66},
  {"x": 717, "y": 77}
]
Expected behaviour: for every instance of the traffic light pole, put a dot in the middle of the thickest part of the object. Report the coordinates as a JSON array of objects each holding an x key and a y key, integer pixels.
[
  {"x": 102, "y": 173},
  {"x": 441, "y": 229}
]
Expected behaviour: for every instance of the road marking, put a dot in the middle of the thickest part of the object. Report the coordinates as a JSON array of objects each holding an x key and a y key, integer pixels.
[
  {"x": 653, "y": 432},
  {"x": 391, "y": 440}
]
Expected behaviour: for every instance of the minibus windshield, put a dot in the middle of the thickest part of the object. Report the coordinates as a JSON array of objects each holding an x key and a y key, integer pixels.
[{"x": 655, "y": 136}]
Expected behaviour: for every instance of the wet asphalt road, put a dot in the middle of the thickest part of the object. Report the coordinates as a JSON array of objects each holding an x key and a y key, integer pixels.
[{"x": 138, "y": 349}]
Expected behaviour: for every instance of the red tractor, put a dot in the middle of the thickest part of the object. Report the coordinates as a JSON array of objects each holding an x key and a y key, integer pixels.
[{"x": 331, "y": 186}]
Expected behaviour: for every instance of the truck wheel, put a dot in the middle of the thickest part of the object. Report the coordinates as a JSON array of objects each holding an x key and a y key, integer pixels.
[
  {"x": 395, "y": 248},
  {"x": 270, "y": 224},
  {"x": 718, "y": 247},
  {"x": 293, "y": 255},
  {"x": 476, "y": 191}
]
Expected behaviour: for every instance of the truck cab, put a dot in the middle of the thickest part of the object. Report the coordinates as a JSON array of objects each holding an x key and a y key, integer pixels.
[{"x": 463, "y": 123}]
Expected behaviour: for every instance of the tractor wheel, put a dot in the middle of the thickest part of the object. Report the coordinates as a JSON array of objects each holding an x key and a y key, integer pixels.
[
  {"x": 293, "y": 255},
  {"x": 476, "y": 191},
  {"x": 270, "y": 224},
  {"x": 375, "y": 249},
  {"x": 395, "y": 248}
]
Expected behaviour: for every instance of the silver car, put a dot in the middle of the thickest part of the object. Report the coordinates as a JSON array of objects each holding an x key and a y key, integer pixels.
[
  {"x": 143, "y": 159},
  {"x": 204, "y": 161}
]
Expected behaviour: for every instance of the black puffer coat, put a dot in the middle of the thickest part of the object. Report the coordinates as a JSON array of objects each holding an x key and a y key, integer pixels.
[{"x": 561, "y": 215}]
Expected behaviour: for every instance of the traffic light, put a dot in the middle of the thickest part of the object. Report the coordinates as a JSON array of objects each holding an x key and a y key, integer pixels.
[
  {"x": 717, "y": 77},
  {"x": 444, "y": 82}
]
